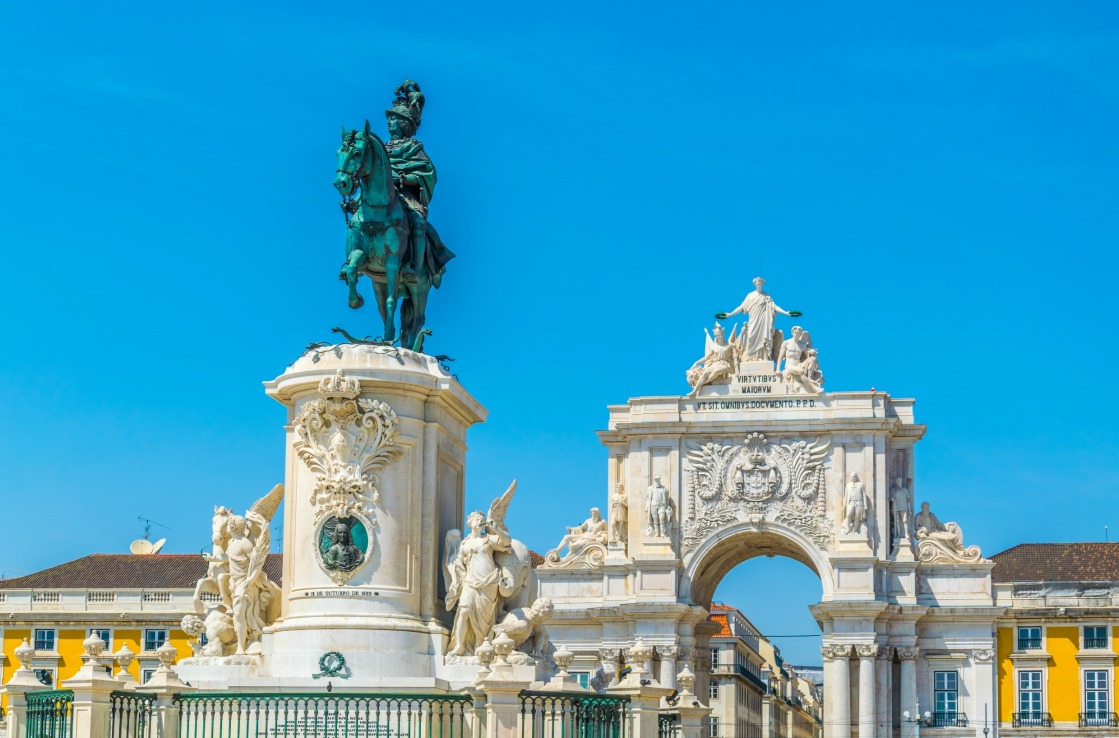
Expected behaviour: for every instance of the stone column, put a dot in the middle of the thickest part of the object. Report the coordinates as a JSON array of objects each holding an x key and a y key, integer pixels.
[
  {"x": 668, "y": 665},
  {"x": 837, "y": 685},
  {"x": 884, "y": 691},
  {"x": 644, "y": 699},
  {"x": 868, "y": 718},
  {"x": 908, "y": 657}
]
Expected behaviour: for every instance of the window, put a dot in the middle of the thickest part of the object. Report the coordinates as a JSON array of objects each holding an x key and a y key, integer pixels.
[
  {"x": 153, "y": 639},
  {"x": 104, "y": 634},
  {"x": 946, "y": 696},
  {"x": 713, "y": 727},
  {"x": 583, "y": 677},
  {"x": 1095, "y": 696},
  {"x": 714, "y": 658},
  {"x": 1029, "y": 639},
  {"x": 44, "y": 639},
  {"x": 1029, "y": 694},
  {"x": 713, "y": 690},
  {"x": 145, "y": 675},
  {"x": 1095, "y": 636}
]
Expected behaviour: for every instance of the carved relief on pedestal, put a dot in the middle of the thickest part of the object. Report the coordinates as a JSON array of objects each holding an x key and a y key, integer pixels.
[
  {"x": 345, "y": 440},
  {"x": 942, "y": 542},
  {"x": 755, "y": 482}
]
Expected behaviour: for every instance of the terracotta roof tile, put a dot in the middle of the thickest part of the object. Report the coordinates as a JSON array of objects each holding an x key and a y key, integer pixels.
[
  {"x": 1057, "y": 562},
  {"x": 128, "y": 571}
]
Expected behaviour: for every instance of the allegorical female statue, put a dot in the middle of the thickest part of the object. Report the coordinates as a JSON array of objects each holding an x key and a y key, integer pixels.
[
  {"x": 761, "y": 309},
  {"x": 476, "y": 578}
]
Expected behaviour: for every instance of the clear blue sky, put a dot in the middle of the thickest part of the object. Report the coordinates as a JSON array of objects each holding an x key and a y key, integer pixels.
[{"x": 934, "y": 185}]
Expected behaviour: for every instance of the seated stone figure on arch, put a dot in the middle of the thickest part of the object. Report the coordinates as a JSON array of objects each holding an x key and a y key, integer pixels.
[
  {"x": 802, "y": 367},
  {"x": 719, "y": 362}
]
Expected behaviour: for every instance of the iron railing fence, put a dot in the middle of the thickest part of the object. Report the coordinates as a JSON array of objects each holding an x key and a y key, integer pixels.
[
  {"x": 1032, "y": 720},
  {"x": 1095, "y": 642},
  {"x": 317, "y": 715},
  {"x": 130, "y": 714},
  {"x": 1099, "y": 720},
  {"x": 572, "y": 715},
  {"x": 949, "y": 720},
  {"x": 1029, "y": 644},
  {"x": 50, "y": 714}
]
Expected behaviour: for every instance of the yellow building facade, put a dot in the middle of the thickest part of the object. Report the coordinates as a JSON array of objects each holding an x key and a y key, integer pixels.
[
  {"x": 135, "y": 602},
  {"x": 1056, "y": 640}
]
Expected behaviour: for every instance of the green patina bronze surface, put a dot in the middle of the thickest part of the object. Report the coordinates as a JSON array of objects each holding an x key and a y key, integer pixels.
[{"x": 386, "y": 188}]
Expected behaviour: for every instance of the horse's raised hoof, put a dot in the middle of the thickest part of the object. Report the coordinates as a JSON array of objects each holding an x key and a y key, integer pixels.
[{"x": 355, "y": 304}]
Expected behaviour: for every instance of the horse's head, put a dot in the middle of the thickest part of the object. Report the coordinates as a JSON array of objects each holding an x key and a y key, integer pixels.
[
  {"x": 354, "y": 160},
  {"x": 219, "y": 530}
]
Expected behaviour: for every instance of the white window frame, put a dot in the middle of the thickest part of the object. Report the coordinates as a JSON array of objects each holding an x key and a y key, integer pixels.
[
  {"x": 955, "y": 673},
  {"x": 583, "y": 677},
  {"x": 713, "y": 726},
  {"x": 54, "y": 639},
  {"x": 1018, "y": 638},
  {"x": 1018, "y": 689},
  {"x": 146, "y": 674},
  {"x": 714, "y": 659},
  {"x": 1106, "y": 637},
  {"x": 166, "y": 638},
  {"x": 1106, "y": 690},
  {"x": 713, "y": 689}
]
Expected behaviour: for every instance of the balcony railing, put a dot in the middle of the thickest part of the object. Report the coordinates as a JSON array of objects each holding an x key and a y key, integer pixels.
[
  {"x": 1029, "y": 644},
  {"x": 1032, "y": 720},
  {"x": 949, "y": 720},
  {"x": 1095, "y": 643},
  {"x": 1099, "y": 720}
]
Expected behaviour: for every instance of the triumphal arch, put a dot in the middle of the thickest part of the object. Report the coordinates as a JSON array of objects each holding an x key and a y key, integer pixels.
[{"x": 760, "y": 459}]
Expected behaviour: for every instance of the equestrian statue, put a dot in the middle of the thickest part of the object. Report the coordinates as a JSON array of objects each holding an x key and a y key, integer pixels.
[{"x": 386, "y": 188}]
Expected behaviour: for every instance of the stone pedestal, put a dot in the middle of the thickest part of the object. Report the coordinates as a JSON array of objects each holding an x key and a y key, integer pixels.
[{"x": 380, "y": 432}]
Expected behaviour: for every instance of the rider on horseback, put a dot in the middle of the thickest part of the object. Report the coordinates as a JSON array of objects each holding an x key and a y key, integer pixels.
[{"x": 412, "y": 170}]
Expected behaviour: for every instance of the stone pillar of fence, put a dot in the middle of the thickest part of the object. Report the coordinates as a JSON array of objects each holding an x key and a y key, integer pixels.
[
  {"x": 693, "y": 715},
  {"x": 165, "y": 685},
  {"x": 645, "y": 694},
  {"x": 92, "y": 687},
  {"x": 23, "y": 681},
  {"x": 502, "y": 684}
]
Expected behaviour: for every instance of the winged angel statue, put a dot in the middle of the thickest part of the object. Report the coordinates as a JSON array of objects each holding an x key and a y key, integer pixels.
[
  {"x": 488, "y": 573},
  {"x": 247, "y": 599},
  {"x": 720, "y": 359},
  {"x": 783, "y": 482}
]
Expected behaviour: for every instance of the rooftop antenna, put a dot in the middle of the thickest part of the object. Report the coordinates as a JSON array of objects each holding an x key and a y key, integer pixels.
[
  {"x": 1105, "y": 534},
  {"x": 143, "y": 545}
]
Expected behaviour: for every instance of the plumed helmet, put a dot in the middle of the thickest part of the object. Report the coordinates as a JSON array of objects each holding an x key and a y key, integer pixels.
[{"x": 409, "y": 102}]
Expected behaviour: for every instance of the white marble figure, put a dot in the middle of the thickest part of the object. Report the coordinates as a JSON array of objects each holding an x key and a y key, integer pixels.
[
  {"x": 720, "y": 359},
  {"x": 938, "y": 541},
  {"x": 854, "y": 506},
  {"x": 525, "y": 625},
  {"x": 901, "y": 508},
  {"x": 248, "y": 600},
  {"x": 802, "y": 369},
  {"x": 487, "y": 574},
  {"x": 658, "y": 506},
  {"x": 591, "y": 530},
  {"x": 759, "y": 344},
  {"x": 619, "y": 515}
]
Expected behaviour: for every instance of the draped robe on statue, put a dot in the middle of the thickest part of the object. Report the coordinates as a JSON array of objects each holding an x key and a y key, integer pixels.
[{"x": 759, "y": 329}]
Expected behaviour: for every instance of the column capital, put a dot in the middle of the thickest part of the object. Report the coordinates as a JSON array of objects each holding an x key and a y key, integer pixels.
[
  {"x": 886, "y": 653},
  {"x": 866, "y": 650},
  {"x": 835, "y": 651},
  {"x": 908, "y": 653}
]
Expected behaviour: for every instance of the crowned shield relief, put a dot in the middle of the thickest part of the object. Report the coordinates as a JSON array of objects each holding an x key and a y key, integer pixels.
[{"x": 756, "y": 481}]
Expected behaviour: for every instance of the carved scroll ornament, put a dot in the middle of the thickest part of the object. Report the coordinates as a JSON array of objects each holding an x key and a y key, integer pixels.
[{"x": 345, "y": 440}]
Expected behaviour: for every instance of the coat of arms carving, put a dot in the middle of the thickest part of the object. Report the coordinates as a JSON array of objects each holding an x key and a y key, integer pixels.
[
  {"x": 755, "y": 481},
  {"x": 345, "y": 440}
]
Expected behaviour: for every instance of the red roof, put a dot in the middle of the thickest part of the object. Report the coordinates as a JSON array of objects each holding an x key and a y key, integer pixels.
[
  {"x": 1057, "y": 562},
  {"x": 128, "y": 571}
]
